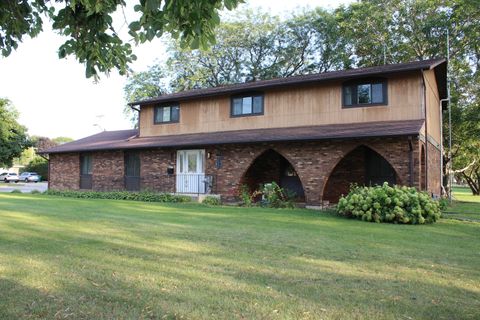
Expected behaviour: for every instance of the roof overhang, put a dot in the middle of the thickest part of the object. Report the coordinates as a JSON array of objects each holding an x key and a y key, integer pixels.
[{"x": 123, "y": 140}]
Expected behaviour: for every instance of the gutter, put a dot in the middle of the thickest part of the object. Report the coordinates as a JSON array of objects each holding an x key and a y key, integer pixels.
[
  {"x": 441, "y": 142},
  {"x": 424, "y": 92}
]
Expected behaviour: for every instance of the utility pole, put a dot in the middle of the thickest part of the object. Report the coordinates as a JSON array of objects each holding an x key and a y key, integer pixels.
[{"x": 450, "y": 172}]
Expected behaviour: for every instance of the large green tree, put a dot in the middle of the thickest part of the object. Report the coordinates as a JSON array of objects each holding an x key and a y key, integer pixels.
[
  {"x": 89, "y": 26},
  {"x": 13, "y": 136}
]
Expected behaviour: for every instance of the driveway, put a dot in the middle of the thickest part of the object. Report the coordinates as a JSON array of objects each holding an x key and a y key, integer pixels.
[{"x": 23, "y": 187}]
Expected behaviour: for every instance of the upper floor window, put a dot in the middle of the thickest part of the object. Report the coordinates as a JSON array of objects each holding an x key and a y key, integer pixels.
[
  {"x": 247, "y": 105},
  {"x": 167, "y": 114},
  {"x": 365, "y": 93}
]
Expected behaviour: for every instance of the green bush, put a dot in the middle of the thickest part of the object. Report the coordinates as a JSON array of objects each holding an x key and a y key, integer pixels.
[
  {"x": 276, "y": 197},
  {"x": 443, "y": 203},
  {"x": 212, "y": 201},
  {"x": 245, "y": 196},
  {"x": 389, "y": 204},
  {"x": 35, "y": 191},
  {"x": 146, "y": 196},
  {"x": 16, "y": 191},
  {"x": 38, "y": 165}
]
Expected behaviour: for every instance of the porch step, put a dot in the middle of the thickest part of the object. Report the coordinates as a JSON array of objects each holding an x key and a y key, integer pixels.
[{"x": 198, "y": 197}]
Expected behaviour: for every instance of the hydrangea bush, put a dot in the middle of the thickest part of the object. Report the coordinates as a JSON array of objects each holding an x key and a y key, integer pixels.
[{"x": 389, "y": 204}]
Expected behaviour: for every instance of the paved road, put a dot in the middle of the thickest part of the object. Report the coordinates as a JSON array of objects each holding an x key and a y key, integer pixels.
[{"x": 24, "y": 187}]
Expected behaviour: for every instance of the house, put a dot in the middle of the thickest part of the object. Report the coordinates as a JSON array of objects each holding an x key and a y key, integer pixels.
[{"x": 314, "y": 134}]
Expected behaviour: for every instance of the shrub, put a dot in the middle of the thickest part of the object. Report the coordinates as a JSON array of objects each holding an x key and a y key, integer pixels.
[
  {"x": 35, "y": 191},
  {"x": 16, "y": 191},
  {"x": 38, "y": 165},
  {"x": 275, "y": 197},
  {"x": 389, "y": 204},
  {"x": 212, "y": 201},
  {"x": 443, "y": 203},
  {"x": 245, "y": 196},
  {"x": 146, "y": 196}
]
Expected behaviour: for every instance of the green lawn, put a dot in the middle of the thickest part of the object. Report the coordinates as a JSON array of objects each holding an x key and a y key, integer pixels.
[
  {"x": 465, "y": 207},
  {"x": 102, "y": 259}
]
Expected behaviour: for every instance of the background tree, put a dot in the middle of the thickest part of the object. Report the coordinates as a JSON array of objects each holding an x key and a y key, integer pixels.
[
  {"x": 90, "y": 32},
  {"x": 13, "y": 136},
  {"x": 35, "y": 163},
  {"x": 38, "y": 165},
  {"x": 144, "y": 85},
  {"x": 62, "y": 140}
]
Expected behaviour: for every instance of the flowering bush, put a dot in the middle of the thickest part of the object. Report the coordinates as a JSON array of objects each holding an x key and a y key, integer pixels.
[{"x": 389, "y": 204}]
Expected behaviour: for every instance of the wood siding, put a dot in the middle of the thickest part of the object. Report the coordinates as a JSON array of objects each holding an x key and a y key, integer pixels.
[
  {"x": 433, "y": 105},
  {"x": 292, "y": 107}
]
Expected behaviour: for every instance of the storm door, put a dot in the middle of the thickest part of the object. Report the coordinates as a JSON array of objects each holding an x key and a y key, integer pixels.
[
  {"x": 132, "y": 171},
  {"x": 190, "y": 171}
]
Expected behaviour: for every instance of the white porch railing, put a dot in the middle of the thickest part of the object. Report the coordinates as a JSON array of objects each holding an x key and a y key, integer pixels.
[{"x": 198, "y": 183}]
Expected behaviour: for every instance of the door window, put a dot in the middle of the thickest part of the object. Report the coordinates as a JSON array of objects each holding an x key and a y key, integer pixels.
[{"x": 190, "y": 161}]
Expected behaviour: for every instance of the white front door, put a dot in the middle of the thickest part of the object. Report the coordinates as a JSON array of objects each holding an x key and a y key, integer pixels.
[{"x": 190, "y": 171}]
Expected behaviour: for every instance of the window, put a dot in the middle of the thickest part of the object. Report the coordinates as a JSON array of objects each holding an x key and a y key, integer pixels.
[
  {"x": 86, "y": 171},
  {"x": 132, "y": 164},
  {"x": 85, "y": 164},
  {"x": 167, "y": 114},
  {"x": 366, "y": 93},
  {"x": 247, "y": 105}
]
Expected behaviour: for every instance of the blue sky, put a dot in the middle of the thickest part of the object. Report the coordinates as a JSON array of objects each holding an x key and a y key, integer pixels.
[{"x": 55, "y": 99}]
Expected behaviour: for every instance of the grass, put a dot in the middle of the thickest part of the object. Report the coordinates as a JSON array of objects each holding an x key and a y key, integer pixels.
[
  {"x": 104, "y": 259},
  {"x": 465, "y": 207}
]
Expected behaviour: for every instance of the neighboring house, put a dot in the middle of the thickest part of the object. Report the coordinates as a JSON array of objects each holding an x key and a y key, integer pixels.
[
  {"x": 314, "y": 134},
  {"x": 14, "y": 169}
]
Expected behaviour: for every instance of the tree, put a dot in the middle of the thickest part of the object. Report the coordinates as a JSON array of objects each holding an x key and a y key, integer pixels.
[
  {"x": 62, "y": 140},
  {"x": 13, "y": 136},
  {"x": 42, "y": 143},
  {"x": 144, "y": 85},
  {"x": 38, "y": 165},
  {"x": 89, "y": 27}
]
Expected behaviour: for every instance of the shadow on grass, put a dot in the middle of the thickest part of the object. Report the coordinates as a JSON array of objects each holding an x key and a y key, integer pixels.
[{"x": 114, "y": 259}]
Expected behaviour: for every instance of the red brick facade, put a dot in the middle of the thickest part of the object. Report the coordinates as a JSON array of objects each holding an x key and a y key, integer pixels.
[{"x": 314, "y": 163}]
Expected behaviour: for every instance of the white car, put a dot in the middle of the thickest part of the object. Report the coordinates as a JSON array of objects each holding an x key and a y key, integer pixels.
[
  {"x": 9, "y": 177},
  {"x": 29, "y": 177}
]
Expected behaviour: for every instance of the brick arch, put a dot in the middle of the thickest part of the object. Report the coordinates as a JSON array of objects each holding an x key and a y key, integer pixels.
[
  {"x": 283, "y": 154},
  {"x": 348, "y": 152}
]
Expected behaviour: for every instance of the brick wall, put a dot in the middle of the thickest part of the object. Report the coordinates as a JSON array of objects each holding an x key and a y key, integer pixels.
[
  {"x": 313, "y": 161},
  {"x": 108, "y": 170},
  {"x": 153, "y": 169},
  {"x": 64, "y": 171}
]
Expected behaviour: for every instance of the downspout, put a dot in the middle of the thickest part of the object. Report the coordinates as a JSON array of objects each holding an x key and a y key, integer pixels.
[
  {"x": 410, "y": 160},
  {"x": 48, "y": 174},
  {"x": 424, "y": 92},
  {"x": 138, "y": 110},
  {"x": 441, "y": 143}
]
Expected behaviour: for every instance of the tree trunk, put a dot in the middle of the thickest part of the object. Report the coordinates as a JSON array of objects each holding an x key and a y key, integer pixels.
[{"x": 473, "y": 183}]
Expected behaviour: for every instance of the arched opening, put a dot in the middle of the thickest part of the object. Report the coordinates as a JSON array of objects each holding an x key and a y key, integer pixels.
[
  {"x": 361, "y": 166},
  {"x": 271, "y": 166},
  {"x": 423, "y": 172}
]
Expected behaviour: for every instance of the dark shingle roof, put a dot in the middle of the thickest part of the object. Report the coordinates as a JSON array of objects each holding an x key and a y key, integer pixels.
[
  {"x": 438, "y": 64},
  {"x": 126, "y": 139}
]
